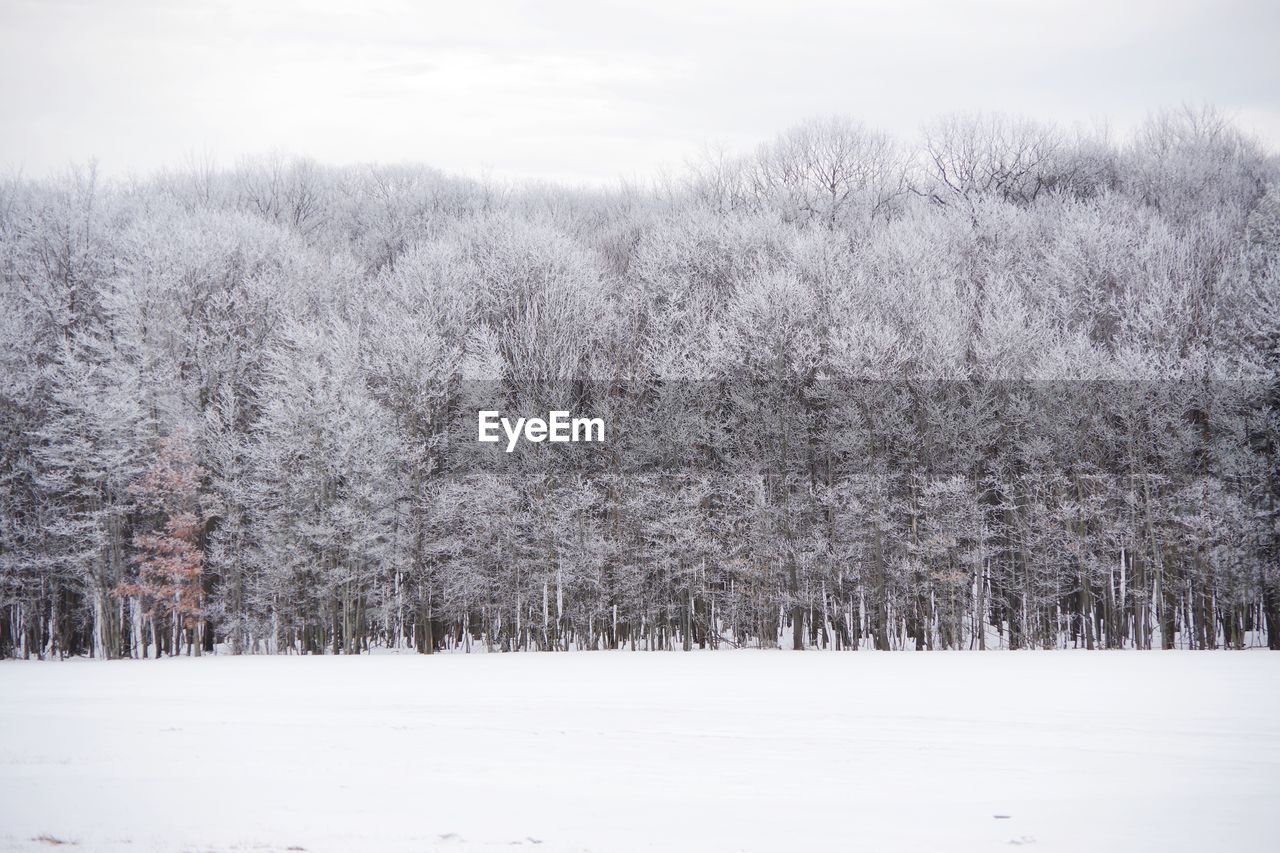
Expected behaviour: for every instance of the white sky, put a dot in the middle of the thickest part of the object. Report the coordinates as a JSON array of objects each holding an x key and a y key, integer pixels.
[{"x": 590, "y": 91}]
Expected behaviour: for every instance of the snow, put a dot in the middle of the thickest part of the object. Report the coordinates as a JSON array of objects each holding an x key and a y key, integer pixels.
[{"x": 605, "y": 751}]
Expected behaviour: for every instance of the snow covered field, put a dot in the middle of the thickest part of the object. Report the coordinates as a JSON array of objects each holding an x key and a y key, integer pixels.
[{"x": 724, "y": 751}]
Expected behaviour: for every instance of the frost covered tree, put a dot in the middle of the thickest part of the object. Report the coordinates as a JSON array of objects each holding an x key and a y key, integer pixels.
[{"x": 1001, "y": 385}]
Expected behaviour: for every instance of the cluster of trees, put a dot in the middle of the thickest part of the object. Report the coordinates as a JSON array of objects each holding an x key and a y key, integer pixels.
[{"x": 1008, "y": 386}]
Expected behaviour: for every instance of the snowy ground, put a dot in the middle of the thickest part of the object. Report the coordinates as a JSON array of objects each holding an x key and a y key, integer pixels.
[{"x": 726, "y": 751}]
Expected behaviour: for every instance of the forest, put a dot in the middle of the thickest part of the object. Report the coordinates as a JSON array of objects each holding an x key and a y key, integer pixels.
[{"x": 1001, "y": 385}]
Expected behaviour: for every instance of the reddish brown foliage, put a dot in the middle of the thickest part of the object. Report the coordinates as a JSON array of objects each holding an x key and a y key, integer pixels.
[{"x": 170, "y": 560}]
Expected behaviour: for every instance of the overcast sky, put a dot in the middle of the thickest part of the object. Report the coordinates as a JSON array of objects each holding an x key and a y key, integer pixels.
[{"x": 590, "y": 91}]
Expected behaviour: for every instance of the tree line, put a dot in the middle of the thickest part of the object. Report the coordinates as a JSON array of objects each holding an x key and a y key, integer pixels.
[{"x": 1003, "y": 385}]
